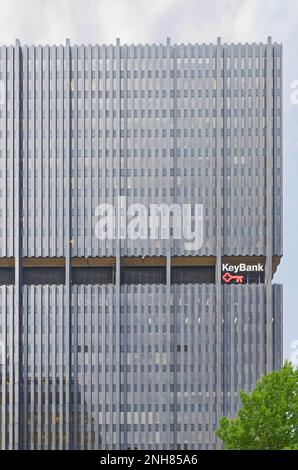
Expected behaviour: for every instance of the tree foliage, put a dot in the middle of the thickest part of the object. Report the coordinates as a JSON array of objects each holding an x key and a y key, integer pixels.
[{"x": 268, "y": 418}]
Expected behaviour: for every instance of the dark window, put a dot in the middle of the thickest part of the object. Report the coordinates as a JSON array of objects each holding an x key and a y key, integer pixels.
[
  {"x": 44, "y": 275},
  {"x": 192, "y": 275},
  {"x": 143, "y": 275},
  {"x": 6, "y": 276},
  {"x": 92, "y": 275}
]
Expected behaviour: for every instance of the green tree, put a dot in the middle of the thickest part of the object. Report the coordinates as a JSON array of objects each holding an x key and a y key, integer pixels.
[{"x": 268, "y": 418}]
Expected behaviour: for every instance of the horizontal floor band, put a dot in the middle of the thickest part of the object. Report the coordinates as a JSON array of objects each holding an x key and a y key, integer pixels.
[
  {"x": 44, "y": 275},
  {"x": 138, "y": 261}
]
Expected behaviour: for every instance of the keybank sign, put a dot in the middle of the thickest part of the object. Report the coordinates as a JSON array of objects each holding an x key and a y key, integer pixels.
[
  {"x": 242, "y": 267},
  {"x": 241, "y": 273}
]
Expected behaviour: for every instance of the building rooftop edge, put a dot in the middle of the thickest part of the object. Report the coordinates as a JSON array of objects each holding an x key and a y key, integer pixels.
[{"x": 168, "y": 42}]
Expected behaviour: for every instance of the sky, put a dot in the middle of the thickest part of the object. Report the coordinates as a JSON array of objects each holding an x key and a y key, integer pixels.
[{"x": 184, "y": 21}]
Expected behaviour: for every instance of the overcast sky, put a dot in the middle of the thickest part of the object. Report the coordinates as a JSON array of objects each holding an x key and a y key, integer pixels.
[{"x": 149, "y": 21}]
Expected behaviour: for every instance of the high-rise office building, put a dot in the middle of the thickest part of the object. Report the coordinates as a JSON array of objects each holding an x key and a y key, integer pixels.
[{"x": 142, "y": 341}]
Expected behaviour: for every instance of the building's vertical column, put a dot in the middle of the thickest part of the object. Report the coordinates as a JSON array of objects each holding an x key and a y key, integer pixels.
[
  {"x": 277, "y": 201},
  {"x": 268, "y": 201},
  {"x": 226, "y": 192},
  {"x": 17, "y": 326},
  {"x": 116, "y": 414},
  {"x": 278, "y": 148},
  {"x": 81, "y": 350},
  {"x": 38, "y": 235},
  {"x": 176, "y": 245},
  {"x": 4, "y": 290},
  {"x": 74, "y": 443},
  {"x": 87, "y": 249},
  {"x": 278, "y": 325},
  {"x": 38, "y": 366},
  {"x": 95, "y": 199},
  {"x": 97, "y": 300},
  {"x": 254, "y": 162},
  {"x": 55, "y": 205},
  {"x": 45, "y": 379},
  {"x": 81, "y": 238},
  {"x": 60, "y": 409},
  {"x": 5, "y": 250},
  {"x": 104, "y": 292},
  {"x": 88, "y": 353},
  {"x": 170, "y": 435},
  {"x": 39, "y": 231},
  {"x": 218, "y": 237},
  {"x": 88, "y": 241},
  {"x": 125, "y": 320},
  {"x": 5, "y": 184},
  {"x": 66, "y": 132},
  {"x": 46, "y": 248},
  {"x": 46, "y": 149},
  {"x": 170, "y": 439}
]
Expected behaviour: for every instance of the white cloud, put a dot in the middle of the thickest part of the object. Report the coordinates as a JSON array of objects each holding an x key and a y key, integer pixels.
[{"x": 101, "y": 21}]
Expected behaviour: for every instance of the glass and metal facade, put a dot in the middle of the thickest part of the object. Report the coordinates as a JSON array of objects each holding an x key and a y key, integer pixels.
[{"x": 121, "y": 343}]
